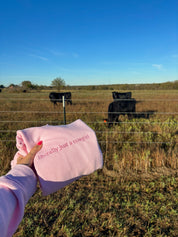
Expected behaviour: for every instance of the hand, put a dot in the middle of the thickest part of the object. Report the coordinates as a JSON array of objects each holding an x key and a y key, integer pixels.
[{"x": 29, "y": 158}]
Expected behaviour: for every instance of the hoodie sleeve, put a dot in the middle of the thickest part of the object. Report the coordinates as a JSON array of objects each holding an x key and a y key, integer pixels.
[{"x": 16, "y": 188}]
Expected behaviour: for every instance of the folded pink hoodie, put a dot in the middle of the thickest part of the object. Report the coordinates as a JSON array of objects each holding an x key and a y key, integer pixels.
[{"x": 69, "y": 152}]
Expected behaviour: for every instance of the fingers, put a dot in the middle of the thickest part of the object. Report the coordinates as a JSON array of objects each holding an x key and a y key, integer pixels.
[
  {"x": 29, "y": 158},
  {"x": 20, "y": 159},
  {"x": 36, "y": 149}
]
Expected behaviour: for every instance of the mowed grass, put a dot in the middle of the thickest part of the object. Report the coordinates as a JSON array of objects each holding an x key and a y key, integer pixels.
[{"x": 136, "y": 192}]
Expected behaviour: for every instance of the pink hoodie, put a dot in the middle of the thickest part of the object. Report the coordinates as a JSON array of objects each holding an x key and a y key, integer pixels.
[
  {"x": 16, "y": 188},
  {"x": 68, "y": 152}
]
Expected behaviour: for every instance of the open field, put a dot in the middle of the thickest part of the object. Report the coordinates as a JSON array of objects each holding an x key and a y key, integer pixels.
[{"x": 135, "y": 194}]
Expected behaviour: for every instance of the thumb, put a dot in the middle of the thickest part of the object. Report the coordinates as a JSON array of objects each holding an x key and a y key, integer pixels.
[
  {"x": 29, "y": 158},
  {"x": 36, "y": 149}
]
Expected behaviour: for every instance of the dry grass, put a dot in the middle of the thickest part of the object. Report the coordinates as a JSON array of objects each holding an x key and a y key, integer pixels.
[{"x": 134, "y": 195}]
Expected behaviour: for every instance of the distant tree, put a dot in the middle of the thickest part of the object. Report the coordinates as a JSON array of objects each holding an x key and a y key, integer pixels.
[
  {"x": 11, "y": 85},
  {"x": 58, "y": 83},
  {"x": 27, "y": 85},
  {"x": 2, "y": 86}
]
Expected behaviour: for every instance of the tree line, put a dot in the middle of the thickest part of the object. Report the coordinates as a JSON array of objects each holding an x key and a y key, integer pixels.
[{"x": 59, "y": 84}]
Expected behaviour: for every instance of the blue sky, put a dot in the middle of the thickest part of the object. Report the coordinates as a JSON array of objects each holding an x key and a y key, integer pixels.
[{"x": 88, "y": 42}]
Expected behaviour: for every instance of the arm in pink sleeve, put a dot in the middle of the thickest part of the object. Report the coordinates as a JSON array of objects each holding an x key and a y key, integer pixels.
[{"x": 16, "y": 188}]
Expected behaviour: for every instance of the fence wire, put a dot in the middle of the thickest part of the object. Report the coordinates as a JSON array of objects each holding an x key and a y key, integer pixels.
[
  {"x": 88, "y": 122},
  {"x": 88, "y": 112},
  {"x": 115, "y": 142},
  {"x": 90, "y": 100},
  {"x": 91, "y": 122}
]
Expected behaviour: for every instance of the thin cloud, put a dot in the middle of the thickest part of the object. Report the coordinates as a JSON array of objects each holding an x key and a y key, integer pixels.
[
  {"x": 39, "y": 57},
  {"x": 63, "y": 54},
  {"x": 175, "y": 55},
  {"x": 56, "y": 53},
  {"x": 157, "y": 66}
]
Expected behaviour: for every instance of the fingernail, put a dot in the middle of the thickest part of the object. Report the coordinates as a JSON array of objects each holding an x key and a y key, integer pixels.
[{"x": 39, "y": 143}]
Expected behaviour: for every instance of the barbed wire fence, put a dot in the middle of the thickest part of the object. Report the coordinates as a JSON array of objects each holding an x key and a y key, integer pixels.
[{"x": 64, "y": 113}]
